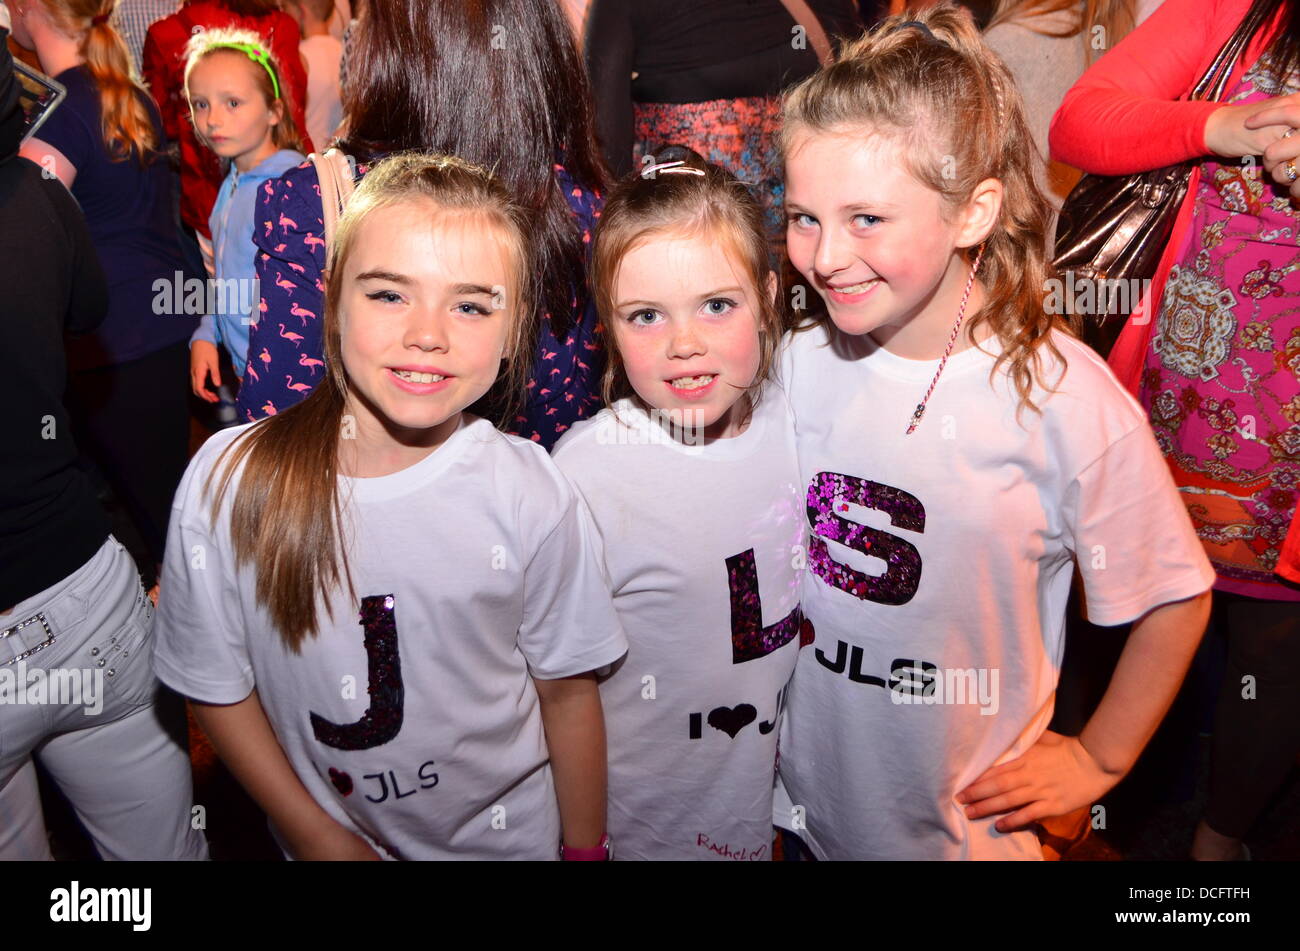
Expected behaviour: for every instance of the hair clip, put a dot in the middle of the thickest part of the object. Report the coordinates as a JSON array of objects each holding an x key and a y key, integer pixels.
[
  {"x": 257, "y": 55},
  {"x": 677, "y": 168},
  {"x": 917, "y": 24}
]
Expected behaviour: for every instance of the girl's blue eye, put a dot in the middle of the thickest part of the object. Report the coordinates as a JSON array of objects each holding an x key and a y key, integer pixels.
[
  {"x": 233, "y": 103},
  {"x": 469, "y": 307},
  {"x": 802, "y": 220},
  {"x": 869, "y": 219},
  {"x": 634, "y": 318},
  {"x": 717, "y": 306},
  {"x": 387, "y": 297}
]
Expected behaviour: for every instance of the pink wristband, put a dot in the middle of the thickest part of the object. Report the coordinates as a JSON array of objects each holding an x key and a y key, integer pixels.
[{"x": 602, "y": 852}]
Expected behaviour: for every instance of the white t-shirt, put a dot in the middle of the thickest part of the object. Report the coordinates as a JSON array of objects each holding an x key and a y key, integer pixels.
[
  {"x": 701, "y": 544},
  {"x": 411, "y": 717},
  {"x": 939, "y": 569},
  {"x": 324, "y": 106}
]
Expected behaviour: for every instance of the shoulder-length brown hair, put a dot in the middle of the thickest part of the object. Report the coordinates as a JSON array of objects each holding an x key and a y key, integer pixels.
[
  {"x": 287, "y": 518},
  {"x": 956, "y": 110}
]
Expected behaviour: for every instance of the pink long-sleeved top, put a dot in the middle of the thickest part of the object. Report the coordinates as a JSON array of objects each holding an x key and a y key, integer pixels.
[{"x": 1124, "y": 113}]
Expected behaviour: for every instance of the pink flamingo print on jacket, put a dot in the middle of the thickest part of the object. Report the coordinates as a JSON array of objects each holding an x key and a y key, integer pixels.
[{"x": 290, "y": 335}]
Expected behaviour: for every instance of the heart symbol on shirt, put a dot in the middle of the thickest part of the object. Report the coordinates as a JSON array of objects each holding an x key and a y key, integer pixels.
[
  {"x": 731, "y": 721},
  {"x": 806, "y": 633},
  {"x": 341, "y": 780}
]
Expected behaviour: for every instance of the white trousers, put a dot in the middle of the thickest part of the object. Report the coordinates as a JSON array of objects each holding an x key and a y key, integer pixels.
[{"x": 78, "y": 693}]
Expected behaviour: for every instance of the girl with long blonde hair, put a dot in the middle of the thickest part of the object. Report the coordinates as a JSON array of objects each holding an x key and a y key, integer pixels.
[
  {"x": 962, "y": 452},
  {"x": 384, "y": 610}
]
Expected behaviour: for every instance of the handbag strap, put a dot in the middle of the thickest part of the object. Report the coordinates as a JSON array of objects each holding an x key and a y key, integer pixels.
[
  {"x": 334, "y": 171},
  {"x": 1216, "y": 76},
  {"x": 804, "y": 16}
]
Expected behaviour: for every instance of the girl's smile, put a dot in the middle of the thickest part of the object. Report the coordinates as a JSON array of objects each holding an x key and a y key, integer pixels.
[
  {"x": 693, "y": 387},
  {"x": 846, "y": 294},
  {"x": 423, "y": 325},
  {"x": 420, "y": 380}
]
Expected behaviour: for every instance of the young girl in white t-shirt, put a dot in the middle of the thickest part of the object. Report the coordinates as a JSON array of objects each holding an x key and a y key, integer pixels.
[
  {"x": 962, "y": 454},
  {"x": 691, "y": 477},
  {"x": 384, "y": 610}
]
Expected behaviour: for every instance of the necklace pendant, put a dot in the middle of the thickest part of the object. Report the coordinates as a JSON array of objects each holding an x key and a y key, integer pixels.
[{"x": 916, "y": 418}]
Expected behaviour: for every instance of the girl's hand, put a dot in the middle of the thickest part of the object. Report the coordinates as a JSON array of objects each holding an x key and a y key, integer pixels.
[
  {"x": 1229, "y": 132},
  {"x": 204, "y": 363},
  {"x": 335, "y": 844},
  {"x": 1054, "y": 776}
]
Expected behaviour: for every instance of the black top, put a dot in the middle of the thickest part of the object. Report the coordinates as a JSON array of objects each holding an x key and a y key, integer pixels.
[
  {"x": 686, "y": 51},
  {"x": 128, "y": 209},
  {"x": 51, "y": 522}
]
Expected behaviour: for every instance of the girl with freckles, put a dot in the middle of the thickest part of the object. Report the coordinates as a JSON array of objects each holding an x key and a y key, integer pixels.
[
  {"x": 690, "y": 474},
  {"x": 384, "y": 611}
]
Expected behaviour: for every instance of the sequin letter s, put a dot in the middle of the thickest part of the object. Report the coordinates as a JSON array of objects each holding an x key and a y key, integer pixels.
[
  {"x": 749, "y": 638},
  {"x": 383, "y": 718},
  {"x": 831, "y": 492}
]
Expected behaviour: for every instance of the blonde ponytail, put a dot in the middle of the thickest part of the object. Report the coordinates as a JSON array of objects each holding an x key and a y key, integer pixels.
[{"x": 125, "y": 122}]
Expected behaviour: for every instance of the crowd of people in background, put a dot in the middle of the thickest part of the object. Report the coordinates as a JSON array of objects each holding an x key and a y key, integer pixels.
[{"x": 678, "y": 378}]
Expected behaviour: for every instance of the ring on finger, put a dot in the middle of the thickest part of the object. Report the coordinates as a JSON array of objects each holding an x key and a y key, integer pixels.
[
  {"x": 1291, "y": 174},
  {"x": 1288, "y": 133}
]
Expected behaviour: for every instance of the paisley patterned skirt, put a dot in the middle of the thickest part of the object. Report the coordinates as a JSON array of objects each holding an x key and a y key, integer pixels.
[{"x": 1222, "y": 377}]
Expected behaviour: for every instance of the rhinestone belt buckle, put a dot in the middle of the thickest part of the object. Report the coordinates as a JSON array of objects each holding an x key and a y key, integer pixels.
[{"x": 34, "y": 619}]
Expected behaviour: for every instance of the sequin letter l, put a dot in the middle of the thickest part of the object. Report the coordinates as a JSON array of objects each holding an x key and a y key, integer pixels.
[
  {"x": 383, "y": 718},
  {"x": 749, "y": 638}
]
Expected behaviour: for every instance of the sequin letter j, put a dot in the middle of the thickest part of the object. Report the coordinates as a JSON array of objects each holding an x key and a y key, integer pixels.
[{"x": 383, "y": 718}]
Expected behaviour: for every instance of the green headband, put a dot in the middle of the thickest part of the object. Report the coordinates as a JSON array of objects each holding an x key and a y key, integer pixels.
[{"x": 257, "y": 55}]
